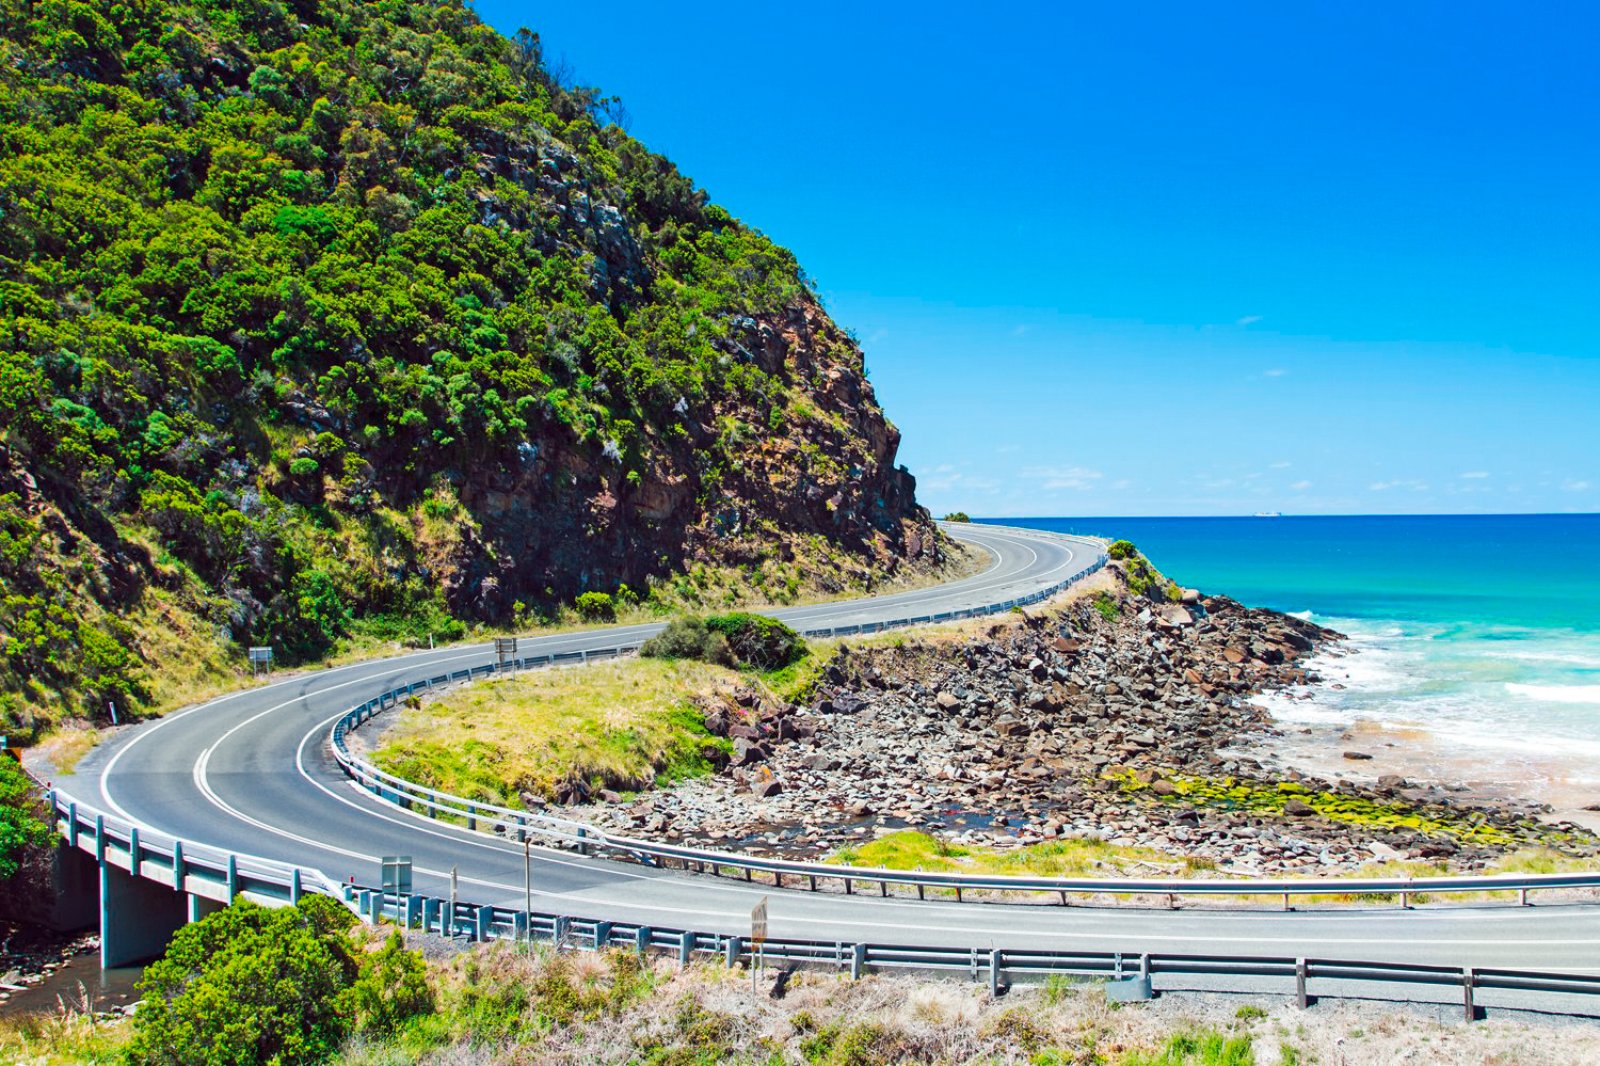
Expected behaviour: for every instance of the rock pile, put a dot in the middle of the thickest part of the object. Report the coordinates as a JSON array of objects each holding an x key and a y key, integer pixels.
[{"x": 1032, "y": 731}]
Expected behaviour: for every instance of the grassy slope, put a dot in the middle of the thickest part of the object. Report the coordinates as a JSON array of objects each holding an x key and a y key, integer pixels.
[{"x": 621, "y": 724}]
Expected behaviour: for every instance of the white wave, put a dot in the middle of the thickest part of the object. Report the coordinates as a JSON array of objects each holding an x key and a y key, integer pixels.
[
  {"x": 1556, "y": 693},
  {"x": 1304, "y": 616}
]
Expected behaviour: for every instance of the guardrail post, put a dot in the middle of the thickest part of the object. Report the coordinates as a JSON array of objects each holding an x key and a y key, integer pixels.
[
  {"x": 686, "y": 941},
  {"x": 1522, "y": 897},
  {"x": 858, "y": 961},
  {"x": 1405, "y": 901},
  {"x": 133, "y": 851},
  {"x": 177, "y": 865},
  {"x": 430, "y": 914},
  {"x": 583, "y": 846},
  {"x": 295, "y": 888},
  {"x": 1300, "y": 996},
  {"x": 559, "y": 929},
  {"x": 643, "y": 939},
  {"x": 730, "y": 951},
  {"x": 1467, "y": 981},
  {"x": 233, "y": 877},
  {"x": 602, "y": 935},
  {"x": 413, "y": 911},
  {"x": 485, "y": 923},
  {"x": 994, "y": 973},
  {"x": 72, "y": 823}
]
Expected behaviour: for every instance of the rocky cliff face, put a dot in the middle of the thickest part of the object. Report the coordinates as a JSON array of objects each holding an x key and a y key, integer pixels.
[{"x": 335, "y": 318}]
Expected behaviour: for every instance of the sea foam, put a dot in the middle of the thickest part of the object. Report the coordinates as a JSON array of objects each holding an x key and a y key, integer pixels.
[{"x": 1556, "y": 693}]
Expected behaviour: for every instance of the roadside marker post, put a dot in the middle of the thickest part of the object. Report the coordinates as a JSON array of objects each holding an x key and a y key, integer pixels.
[{"x": 758, "y": 937}]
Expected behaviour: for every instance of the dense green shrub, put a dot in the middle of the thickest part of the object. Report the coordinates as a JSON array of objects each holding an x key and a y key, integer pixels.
[
  {"x": 740, "y": 639},
  {"x": 958, "y": 516},
  {"x": 1122, "y": 549},
  {"x": 23, "y": 820},
  {"x": 757, "y": 641},
  {"x": 596, "y": 606},
  {"x": 253, "y": 985},
  {"x": 688, "y": 637}
]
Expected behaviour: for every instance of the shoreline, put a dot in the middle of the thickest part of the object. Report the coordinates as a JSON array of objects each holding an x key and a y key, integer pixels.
[{"x": 1477, "y": 772}]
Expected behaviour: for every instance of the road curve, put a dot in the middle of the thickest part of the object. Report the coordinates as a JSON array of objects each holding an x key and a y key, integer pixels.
[{"x": 252, "y": 773}]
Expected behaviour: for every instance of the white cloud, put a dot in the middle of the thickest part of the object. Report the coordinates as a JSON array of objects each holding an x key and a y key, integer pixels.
[
  {"x": 1275, "y": 372},
  {"x": 1300, "y": 486},
  {"x": 1474, "y": 475},
  {"x": 1282, "y": 464},
  {"x": 1576, "y": 486},
  {"x": 1071, "y": 477},
  {"x": 1017, "y": 331},
  {"x": 1247, "y": 320},
  {"x": 947, "y": 478},
  {"x": 1399, "y": 483}
]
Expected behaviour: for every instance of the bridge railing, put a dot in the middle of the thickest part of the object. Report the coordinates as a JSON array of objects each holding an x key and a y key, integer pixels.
[{"x": 184, "y": 866}]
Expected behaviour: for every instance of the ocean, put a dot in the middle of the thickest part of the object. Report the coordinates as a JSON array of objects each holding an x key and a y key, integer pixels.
[{"x": 1475, "y": 639}]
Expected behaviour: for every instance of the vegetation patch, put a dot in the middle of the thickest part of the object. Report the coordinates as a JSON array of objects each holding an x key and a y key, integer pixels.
[
  {"x": 624, "y": 725},
  {"x": 24, "y": 821},
  {"x": 1067, "y": 857},
  {"x": 1290, "y": 799},
  {"x": 751, "y": 640}
]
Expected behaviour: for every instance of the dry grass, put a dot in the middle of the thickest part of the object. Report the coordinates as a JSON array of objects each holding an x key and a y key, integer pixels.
[
  {"x": 499, "y": 1005},
  {"x": 625, "y": 724},
  {"x": 69, "y": 1034}
]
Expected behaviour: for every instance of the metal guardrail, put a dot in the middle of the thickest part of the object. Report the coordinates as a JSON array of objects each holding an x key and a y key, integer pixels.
[
  {"x": 999, "y": 967},
  {"x": 484, "y": 817},
  {"x": 226, "y": 876}
]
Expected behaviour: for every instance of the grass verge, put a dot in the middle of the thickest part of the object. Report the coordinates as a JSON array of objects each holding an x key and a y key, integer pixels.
[{"x": 624, "y": 724}]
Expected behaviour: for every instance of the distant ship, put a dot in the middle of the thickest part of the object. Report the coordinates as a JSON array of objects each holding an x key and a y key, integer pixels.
[{"x": 1269, "y": 514}]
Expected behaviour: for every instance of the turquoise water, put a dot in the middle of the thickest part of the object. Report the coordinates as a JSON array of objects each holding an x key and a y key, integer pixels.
[{"x": 1483, "y": 631}]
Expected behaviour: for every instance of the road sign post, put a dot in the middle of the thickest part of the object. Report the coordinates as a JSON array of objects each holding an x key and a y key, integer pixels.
[
  {"x": 260, "y": 660},
  {"x": 505, "y": 651},
  {"x": 758, "y": 937}
]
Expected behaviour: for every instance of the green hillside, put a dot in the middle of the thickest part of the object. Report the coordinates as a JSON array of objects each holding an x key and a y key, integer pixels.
[{"x": 329, "y": 319}]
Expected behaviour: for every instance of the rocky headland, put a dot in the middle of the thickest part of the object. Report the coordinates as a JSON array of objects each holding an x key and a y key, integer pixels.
[{"x": 1122, "y": 715}]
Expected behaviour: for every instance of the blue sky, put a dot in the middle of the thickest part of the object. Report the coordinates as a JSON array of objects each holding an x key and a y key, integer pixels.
[{"x": 1167, "y": 259}]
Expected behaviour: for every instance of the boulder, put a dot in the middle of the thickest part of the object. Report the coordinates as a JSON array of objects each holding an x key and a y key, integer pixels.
[{"x": 747, "y": 753}]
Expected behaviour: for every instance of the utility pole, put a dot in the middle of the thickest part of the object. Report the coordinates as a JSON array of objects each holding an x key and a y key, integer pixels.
[{"x": 527, "y": 886}]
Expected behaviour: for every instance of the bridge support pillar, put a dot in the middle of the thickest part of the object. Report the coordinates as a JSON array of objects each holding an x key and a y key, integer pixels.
[
  {"x": 200, "y": 906},
  {"x": 137, "y": 917}
]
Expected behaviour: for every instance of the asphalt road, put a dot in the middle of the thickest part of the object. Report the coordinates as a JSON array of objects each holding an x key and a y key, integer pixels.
[{"x": 251, "y": 772}]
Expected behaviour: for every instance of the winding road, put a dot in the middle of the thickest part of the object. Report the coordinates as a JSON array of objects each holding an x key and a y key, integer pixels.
[{"x": 251, "y": 772}]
